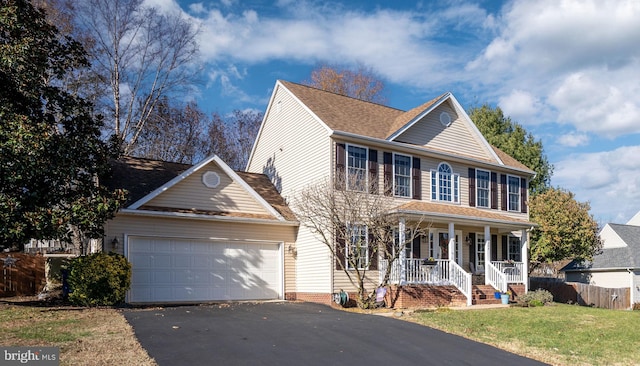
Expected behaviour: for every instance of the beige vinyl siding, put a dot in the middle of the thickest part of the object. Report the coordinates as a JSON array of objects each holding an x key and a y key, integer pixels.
[
  {"x": 294, "y": 150},
  {"x": 167, "y": 227},
  {"x": 618, "y": 279},
  {"x": 191, "y": 193},
  {"x": 457, "y": 138},
  {"x": 341, "y": 281}
]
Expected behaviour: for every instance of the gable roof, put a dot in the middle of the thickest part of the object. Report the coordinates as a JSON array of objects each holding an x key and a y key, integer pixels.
[
  {"x": 342, "y": 113},
  {"x": 147, "y": 178},
  {"x": 620, "y": 257}
]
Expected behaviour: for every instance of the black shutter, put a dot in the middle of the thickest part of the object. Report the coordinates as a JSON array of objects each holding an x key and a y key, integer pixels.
[
  {"x": 417, "y": 179},
  {"x": 523, "y": 195},
  {"x": 373, "y": 253},
  {"x": 494, "y": 191},
  {"x": 472, "y": 187},
  {"x": 472, "y": 248},
  {"x": 341, "y": 161},
  {"x": 388, "y": 173},
  {"x": 494, "y": 247},
  {"x": 503, "y": 191},
  {"x": 340, "y": 248},
  {"x": 373, "y": 171},
  {"x": 415, "y": 247},
  {"x": 504, "y": 247}
]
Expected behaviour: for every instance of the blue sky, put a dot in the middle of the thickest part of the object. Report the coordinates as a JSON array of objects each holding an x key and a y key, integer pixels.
[{"x": 567, "y": 70}]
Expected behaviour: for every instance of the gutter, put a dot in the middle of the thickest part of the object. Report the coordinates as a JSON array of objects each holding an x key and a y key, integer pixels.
[
  {"x": 184, "y": 215},
  {"x": 469, "y": 219}
]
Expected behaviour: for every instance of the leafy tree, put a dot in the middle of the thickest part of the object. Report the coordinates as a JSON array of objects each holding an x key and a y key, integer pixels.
[
  {"x": 361, "y": 83},
  {"x": 566, "y": 229},
  {"x": 328, "y": 212},
  {"x": 514, "y": 140},
  {"x": 50, "y": 148}
]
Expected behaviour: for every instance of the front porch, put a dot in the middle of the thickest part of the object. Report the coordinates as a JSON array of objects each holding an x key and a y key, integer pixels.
[{"x": 421, "y": 276}]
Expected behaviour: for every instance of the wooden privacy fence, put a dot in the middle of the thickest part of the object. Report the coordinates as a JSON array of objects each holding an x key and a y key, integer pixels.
[
  {"x": 583, "y": 294},
  {"x": 21, "y": 274}
]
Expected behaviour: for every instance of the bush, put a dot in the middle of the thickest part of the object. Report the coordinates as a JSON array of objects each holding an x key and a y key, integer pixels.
[
  {"x": 99, "y": 279},
  {"x": 538, "y": 297}
]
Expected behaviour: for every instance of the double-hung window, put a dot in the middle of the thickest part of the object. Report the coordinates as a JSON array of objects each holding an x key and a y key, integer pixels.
[
  {"x": 356, "y": 168},
  {"x": 514, "y": 249},
  {"x": 514, "y": 193},
  {"x": 402, "y": 175},
  {"x": 483, "y": 190},
  {"x": 358, "y": 248},
  {"x": 445, "y": 185}
]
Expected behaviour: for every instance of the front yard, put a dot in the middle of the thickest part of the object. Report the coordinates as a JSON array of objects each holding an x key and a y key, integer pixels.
[
  {"x": 559, "y": 334},
  {"x": 86, "y": 336}
]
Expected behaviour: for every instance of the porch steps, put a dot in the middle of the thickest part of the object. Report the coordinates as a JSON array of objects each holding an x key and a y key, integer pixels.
[{"x": 483, "y": 295}]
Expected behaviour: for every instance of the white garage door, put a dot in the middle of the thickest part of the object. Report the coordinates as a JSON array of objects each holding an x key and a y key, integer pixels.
[{"x": 185, "y": 270}]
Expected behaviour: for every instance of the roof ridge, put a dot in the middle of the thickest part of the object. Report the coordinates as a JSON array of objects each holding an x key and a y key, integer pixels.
[
  {"x": 340, "y": 95},
  {"x": 152, "y": 159}
]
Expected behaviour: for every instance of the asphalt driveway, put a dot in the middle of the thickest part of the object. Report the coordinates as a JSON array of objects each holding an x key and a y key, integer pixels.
[{"x": 285, "y": 333}]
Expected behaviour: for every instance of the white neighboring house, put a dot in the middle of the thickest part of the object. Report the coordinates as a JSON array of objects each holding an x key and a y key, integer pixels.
[{"x": 618, "y": 265}]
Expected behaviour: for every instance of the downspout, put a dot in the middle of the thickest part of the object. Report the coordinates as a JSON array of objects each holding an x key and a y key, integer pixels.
[{"x": 632, "y": 289}]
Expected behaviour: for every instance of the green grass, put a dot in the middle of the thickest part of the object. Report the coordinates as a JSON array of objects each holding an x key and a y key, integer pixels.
[{"x": 559, "y": 334}]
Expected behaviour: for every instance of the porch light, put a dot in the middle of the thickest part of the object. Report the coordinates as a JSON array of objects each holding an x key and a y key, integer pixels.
[
  {"x": 468, "y": 241},
  {"x": 115, "y": 242}
]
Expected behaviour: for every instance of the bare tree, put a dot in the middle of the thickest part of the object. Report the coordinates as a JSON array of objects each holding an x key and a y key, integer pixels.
[
  {"x": 361, "y": 83},
  {"x": 140, "y": 55},
  {"x": 232, "y": 137},
  {"x": 358, "y": 227},
  {"x": 173, "y": 133}
]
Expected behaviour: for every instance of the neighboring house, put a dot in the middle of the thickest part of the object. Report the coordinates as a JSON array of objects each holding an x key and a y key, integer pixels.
[
  {"x": 201, "y": 233},
  {"x": 618, "y": 265},
  {"x": 434, "y": 162}
]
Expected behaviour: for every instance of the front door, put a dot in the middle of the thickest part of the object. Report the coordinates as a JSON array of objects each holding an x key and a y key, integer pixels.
[{"x": 439, "y": 245}]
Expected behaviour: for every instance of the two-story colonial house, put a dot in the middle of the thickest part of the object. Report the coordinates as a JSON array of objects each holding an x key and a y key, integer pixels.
[{"x": 437, "y": 166}]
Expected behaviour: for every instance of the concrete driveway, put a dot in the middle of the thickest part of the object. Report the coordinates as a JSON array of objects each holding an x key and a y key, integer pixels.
[{"x": 285, "y": 333}]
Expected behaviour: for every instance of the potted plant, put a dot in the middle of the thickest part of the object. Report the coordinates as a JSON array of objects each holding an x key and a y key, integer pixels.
[
  {"x": 504, "y": 297},
  {"x": 429, "y": 261}
]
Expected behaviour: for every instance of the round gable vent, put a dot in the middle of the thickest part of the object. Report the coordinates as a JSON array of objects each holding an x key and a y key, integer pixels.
[
  {"x": 211, "y": 179},
  {"x": 445, "y": 119}
]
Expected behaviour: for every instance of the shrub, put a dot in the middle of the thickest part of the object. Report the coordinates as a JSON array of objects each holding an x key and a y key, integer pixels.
[
  {"x": 99, "y": 279},
  {"x": 538, "y": 297}
]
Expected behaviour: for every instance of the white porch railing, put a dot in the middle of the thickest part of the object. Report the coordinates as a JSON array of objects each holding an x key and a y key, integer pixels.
[
  {"x": 441, "y": 273},
  {"x": 461, "y": 279},
  {"x": 514, "y": 271},
  {"x": 495, "y": 277}
]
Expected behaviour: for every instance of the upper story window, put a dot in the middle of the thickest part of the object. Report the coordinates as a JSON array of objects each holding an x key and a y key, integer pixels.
[
  {"x": 483, "y": 190},
  {"x": 402, "y": 175},
  {"x": 356, "y": 168},
  {"x": 445, "y": 185},
  {"x": 514, "y": 193}
]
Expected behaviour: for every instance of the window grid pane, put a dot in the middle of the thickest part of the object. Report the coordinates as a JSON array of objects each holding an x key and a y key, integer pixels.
[
  {"x": 514, "y": 248},
  {"x": 357, "y": 172},
  {"x": 479, "y": 250},
  {"x": 358, "y": 247},
  {"x": 482, "y": 188},
  {"x": 402, "y": 178},
  {"x": 444, "y": 183},
  {"x": 514, "y": 193}
]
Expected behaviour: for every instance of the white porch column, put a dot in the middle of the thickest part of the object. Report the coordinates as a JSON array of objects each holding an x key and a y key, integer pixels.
[
  {"x": 524, "y": 254},
  {"x": 403, "y": 254},
  {"x": 452, "y": 242},
  {"x": 487, "y": 252}
]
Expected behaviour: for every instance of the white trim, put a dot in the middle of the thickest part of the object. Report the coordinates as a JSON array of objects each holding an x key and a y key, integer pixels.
[
  {"x": 519, "y": 193},
  {"x": 455, "y": 185},
  {"x": 225, "y": 168},
  {"x": 418, "y": 117},
  {"x": 186, "y": 215}
]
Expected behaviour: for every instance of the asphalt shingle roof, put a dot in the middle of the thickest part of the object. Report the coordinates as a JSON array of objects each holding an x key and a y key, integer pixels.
[{"x": 625, "y": 257}]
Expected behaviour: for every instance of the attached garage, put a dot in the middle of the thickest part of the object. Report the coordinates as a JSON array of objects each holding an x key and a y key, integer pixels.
[
  {"x": 191, "y": 240},
  {"x": 185, "y": 270}
]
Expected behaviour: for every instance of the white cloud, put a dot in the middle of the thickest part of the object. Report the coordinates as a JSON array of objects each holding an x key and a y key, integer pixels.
[
  {"x": 609, "y": 180},
  {"x": 573, "y": 139},
  {"x": 520, "y": 105},
  {"x": 197, "y": 8}
]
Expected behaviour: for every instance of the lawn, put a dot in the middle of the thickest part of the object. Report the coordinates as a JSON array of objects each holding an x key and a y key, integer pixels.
[
  {"x": 86, "y": 336},
  {"x": 559, "y": 334}
]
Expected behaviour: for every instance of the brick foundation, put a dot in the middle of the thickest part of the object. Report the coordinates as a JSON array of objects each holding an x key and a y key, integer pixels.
[
  {"x": 320, "y": 298},
  {"x": 424, "y": 296}
]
